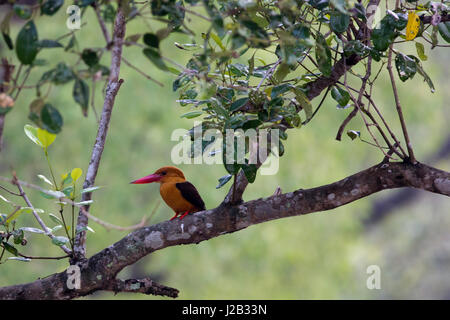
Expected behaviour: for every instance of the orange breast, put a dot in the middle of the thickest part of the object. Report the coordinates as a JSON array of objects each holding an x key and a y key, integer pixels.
[{"x": 172, "y": 196}]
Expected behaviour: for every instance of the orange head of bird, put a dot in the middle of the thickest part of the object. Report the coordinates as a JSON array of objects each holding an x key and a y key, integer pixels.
[{"x": 162, "y": 175}]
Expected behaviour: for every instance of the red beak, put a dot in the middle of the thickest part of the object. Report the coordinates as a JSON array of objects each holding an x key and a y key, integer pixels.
[{"x": 147, "y": 179}]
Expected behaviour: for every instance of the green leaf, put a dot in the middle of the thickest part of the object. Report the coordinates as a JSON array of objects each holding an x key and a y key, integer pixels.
[
  {"x": 217, "y": 40},
  {"x": 4, "y": 28},
  {"x": 340, "y": 95},
  {"x": 44, "y": 178},
  {"x": 60, "y": 75},
  {"x": 304, "y": 102},
  {"x": 239, "y": 103},
  {"x": 84, "y": 3},
  {"x": 67, "y": 191},
  {"x": 250, "y": 171},
  {"x": 383, "y": 36},
  {"x": 32, "y": 133},
  {"x": 238, "y": 69},
  {"x": 80, "y": 94},
  {"x": 60, "y": 241},
  {"x": 91, "y": 189},
  {"x": 49, "y": 44},
  {"x": 52, "y": 120},
  {"x": 90, "y": 57},
  {"x": 425, "y": 76},
  {"x": 66, "y": 178},
  {"x": 339, "y": 21},
  {"x": 84, "y": 228},
  {"x": 50, "y": 7},
  {"x": 72, "y": 43},
  {"x": 421, "y": 51},
  {"x": 22, "y": 11},
  {"x": 191, "y": 114},
  {"x": 223, "y": 180},
  {"x": 27, "y": 43},
  {"x": 155, "y": 57},
  {"x": 6, "y": 200},
  {"x": 233, "y": 164},
  {"x": 33, "y": 230},
  {"x": 54, "y": 218},
  {"x": 323, "y": 55},
  {"x": 56, "y": 228},
  {"x": 356, "y": 47},
  {"x": 8, "y": 40},
  {"x": 151, "y": 40},
  {"x": 18, "y": 213},
  {"x": 19, "y": 259},
  {"x": 444, "y": 30},
  {"x": 353, "y": 134},
  {"x": 339, "y": 5},
  {"x": 406, "y": 66},
  {"x": 84, "y": 203},
  {"x": 18, "y": 236},
  {"x": 282, "y": 71},
  {"x": 280, "y": 89},
  {"x": 10, "y": 248},
  {"x": 51, "y": 194}
]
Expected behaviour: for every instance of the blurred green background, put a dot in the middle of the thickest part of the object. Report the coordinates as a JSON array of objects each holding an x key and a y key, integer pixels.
[{"x": 319, "y": 256}]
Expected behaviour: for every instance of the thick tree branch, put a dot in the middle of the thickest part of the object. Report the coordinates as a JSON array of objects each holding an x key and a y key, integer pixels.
[
  {"x": 339, "y": 69},
  {"x": 102, "y": 268},
  {"x": 111, "y": 91}
]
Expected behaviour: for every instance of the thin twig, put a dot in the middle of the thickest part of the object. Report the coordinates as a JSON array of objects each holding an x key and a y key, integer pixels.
[
  {"x": 341, "y": 129},
  {"x": 107, "y": 225},
  {"x": 93, "y": 100},
  {"x": 397, "y": 142},
  {"x": 42, "y": 258},
  {"x": 268, "y": 73},
  {"x": 318, "y": 107},
  {"x": 10, "y": 192},
  {"x": 141, "y": 72},
  {"x": 27, "y": 73},
  {"x": 102, "y": 25},
  {"x": 412, "y": 158},
  {"x": 36, "y": 215}
]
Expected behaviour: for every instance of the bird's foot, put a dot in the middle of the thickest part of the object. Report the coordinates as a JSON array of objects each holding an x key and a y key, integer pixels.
[
  {"x": 184, "y": 215},
  {"x": 176, "y": 215}
]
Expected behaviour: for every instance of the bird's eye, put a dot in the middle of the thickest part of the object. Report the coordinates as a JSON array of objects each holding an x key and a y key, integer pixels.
[{"x": 163, "y": 173}]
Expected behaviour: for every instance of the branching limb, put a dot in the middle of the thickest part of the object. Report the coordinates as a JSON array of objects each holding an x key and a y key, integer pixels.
[
  {"x": 102, "y": 268},
  {"x": 112, "y": 88},
  {"x": 36, "y": 215}
]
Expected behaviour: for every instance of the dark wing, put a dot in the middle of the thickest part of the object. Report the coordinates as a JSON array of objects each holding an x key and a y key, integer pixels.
[{"x": 189, "y": 192}]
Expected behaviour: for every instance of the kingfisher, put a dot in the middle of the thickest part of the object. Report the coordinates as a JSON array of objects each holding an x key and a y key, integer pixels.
[{"x": 179, "y": 194}]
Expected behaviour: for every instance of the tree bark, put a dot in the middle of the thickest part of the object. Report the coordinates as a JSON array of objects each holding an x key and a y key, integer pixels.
[
  {"x": 111, "y": 91},
  {"x": 99, "y": 271}
]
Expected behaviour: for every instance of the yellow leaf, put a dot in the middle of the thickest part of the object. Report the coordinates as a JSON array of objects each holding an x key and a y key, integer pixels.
[
  {"x": 413, "y": 25},
  {"x": 64, "y": 176},
  {"x": 45, "y": 137},
  {"x": 76, "y": 174}
]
